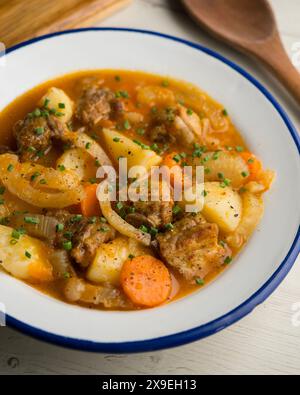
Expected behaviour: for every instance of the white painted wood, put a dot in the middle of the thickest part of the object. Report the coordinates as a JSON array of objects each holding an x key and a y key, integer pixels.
[{"x": 265, "y": 342}]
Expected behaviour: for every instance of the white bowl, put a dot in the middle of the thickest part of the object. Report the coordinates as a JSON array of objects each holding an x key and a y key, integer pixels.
[{"x": 261, "y": 266}]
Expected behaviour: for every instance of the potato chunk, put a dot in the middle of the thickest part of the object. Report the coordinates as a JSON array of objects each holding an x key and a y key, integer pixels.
[
  {"x": 24, "y": 257},
  {"x": 222, "y": 206},
  {"x": 229, "y": 165},
  {"x": 107, "y": 265},
  {"x": 80, "y": 162},
  {"x": 121, "y": 146},
  {"x": 253, "y": 209},
  {"x": 59, "y": 101}
]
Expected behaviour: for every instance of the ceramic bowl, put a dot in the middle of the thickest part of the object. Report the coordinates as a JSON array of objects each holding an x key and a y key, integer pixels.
[{"x": 263, "y": 263}]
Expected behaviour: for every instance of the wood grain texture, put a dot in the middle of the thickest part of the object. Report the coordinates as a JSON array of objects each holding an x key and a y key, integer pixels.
[
  {"x": 265, "y": 342},
  {"x": 250, "y": 27},
  {"x": 21, "y": 20}
]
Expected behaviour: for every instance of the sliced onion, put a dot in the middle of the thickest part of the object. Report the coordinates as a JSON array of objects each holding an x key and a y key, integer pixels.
[
  {"x": 45, "y": 229},
  {"x": 14, "y": 180},
  {"x": 59, "y": 180},
  {"x": 85, "y": 142},
  {"x": 78, "y": 290},
  {"x": 62, "y": 267},
  {"x": 119, "y": 223}
]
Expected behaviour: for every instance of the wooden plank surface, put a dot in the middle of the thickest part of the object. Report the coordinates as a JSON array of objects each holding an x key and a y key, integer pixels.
[
  {"x": 265, "y": 342},
  {"x": 21, "y": 20}
]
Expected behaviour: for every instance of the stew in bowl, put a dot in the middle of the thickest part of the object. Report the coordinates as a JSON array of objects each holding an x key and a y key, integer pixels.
[{"x": 59, "y": 235}]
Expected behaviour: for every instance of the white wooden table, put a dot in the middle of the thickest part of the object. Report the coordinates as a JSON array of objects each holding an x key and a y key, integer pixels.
[{"x": 266, "y": 342}]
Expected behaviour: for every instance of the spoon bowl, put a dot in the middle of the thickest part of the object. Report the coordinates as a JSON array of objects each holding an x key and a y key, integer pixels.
[{"x": 249, "y": 26}]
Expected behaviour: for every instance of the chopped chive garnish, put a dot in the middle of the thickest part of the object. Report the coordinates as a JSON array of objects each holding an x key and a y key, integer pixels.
[
  {"x": 60, "y": 227},
  {"x": 92, "y": 220},
  {"x": 31, "y": 149},
  {"x": 88, "y": 145},
  {"x": 199, "y": 281},
  {"x": 27, "y": 254},
  {"x": 216, "y": 155},
  {"x": 93, "y": 180},
  {"x": 10, "y": 168},
  {"x": 190, "y": 111},
  {"x": 176, "y": 209},
  {"x": 239, "y": 148},
  {"x": 67, "y": 245},
  {"x": 103, "y": 230},
  {"x": 228, "y": 260},
  {"x": 169, "y": 226},
  {"x": 221, "y": 176},
  {"x": 127, "y": 125},
  {"x": 130, "y": 256},
  {"x": 144, "y": 229},
  {"x": 117, "y": 78},
  {"x": 251, "y": 160},
  {"x": 61, "y": 167},
  {"x": 37, "y": 112},
  {"x": 76, "y": 218},
  {"x": 43, "y": 181},
  {"x": 35, "y": 176},
  {"x": 103, "y": 220},
  {"x": 165, "y": 83},
  {"x": 46, "y": 102},
  {"x": 119, "y": 205},
  {"x": 68, "y": 235},
  {"x": 2, "y": 190},
  {"x": 153, "y": 231},
  {"x": 225, "y": 112},
  {"x": 244, "y": 174},
  {"x": 177, "y": 158},
  {"x": 61, "y": 105},
  {"x": 31, "y": 220},
  {"x": 116, "y": 139},
  {"x": 39, "y": 131},
  {"x": 204, "y": 193}
]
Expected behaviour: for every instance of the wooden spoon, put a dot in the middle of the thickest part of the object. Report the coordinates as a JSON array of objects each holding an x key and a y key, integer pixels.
[{"x": 249, "y": 26}]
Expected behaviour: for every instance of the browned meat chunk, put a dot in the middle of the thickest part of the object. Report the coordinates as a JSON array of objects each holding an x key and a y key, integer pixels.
[
  {"x": 82, "y": 235},
  {"x": 176, "y": 124},
  {"x": 160, "y": 134},
  {"x": 192, "y": 247},
  {"x": 154, "y": 212},
  {"x": 89, "y": 239},
  {"x": 94, "y": 105},
  {"x": 34, "y": 135},
  {"x": 158, "y": 213}
]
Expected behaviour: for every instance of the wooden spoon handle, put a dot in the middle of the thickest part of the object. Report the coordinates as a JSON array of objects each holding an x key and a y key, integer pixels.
[{"x": 275, "y": 57}]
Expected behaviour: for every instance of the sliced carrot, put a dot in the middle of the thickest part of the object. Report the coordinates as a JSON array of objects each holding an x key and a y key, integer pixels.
[
  {"x": 146, "y": 281},
  {"x": 255, "y": 165},
  {"x": 174, "y": 168},
  {"x": 90, "y": 205}
]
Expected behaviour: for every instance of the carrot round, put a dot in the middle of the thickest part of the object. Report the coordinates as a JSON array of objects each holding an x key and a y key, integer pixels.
[
  {"x": 255, "y": 165},
  {"x": 146, "y": 281},
  {"x": 173, "y": 165},
  {"x": 90, "y": 204}
]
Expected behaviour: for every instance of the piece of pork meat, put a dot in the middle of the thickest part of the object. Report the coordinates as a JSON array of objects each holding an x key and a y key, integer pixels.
[
  {"x": 86, "y": 235},
  {"x": 192, "y": 247},
  {"x": 176, "y": 124},
  {"x": 94, "y": 105},
  {"x": 34, "y": 136}
]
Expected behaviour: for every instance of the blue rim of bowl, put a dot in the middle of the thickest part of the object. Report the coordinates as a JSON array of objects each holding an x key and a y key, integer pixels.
[{"x": 220, "y": 323}]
